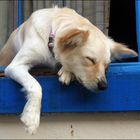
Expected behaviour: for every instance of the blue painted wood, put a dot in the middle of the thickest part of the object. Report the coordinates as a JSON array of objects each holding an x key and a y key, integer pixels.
[
  {"x": 20, "y": 12},
  {"x": 138, "y": 24},
  {"x": 2, "y": 68},
  {"x": 123, "y": 93}
]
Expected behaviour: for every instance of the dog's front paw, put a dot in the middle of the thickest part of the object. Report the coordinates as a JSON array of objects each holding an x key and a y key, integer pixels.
[
  {"x": 65, "y": 76},
  {"x": 31, "y": 116}
]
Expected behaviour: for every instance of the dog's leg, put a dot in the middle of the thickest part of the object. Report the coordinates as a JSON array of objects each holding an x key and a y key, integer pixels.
[
  {"x": 18, "y": 71},
  {"x": 31, "y": 113},
  {"x": 65, "y": 76}
]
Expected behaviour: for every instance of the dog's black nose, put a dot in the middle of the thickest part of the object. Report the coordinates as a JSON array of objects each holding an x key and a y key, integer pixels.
[{"x": 102, "y": 85}]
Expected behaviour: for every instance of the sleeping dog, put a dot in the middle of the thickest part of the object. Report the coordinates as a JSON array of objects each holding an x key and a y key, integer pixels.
[{"x": 80, "y": 47}]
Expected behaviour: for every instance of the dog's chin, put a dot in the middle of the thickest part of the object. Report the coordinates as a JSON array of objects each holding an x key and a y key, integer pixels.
[
  {"x": 92, "y": 89},
  {"x": 91, "y": 86}
]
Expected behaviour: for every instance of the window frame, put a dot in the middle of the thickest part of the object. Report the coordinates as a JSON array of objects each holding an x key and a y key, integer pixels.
[
  {"x": 138, "y": 26},
  {"x": 123, "y": 93}
]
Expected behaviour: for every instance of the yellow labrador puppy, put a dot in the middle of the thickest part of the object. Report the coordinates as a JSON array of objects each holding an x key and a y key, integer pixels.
[{"x": 81, "y": 48}]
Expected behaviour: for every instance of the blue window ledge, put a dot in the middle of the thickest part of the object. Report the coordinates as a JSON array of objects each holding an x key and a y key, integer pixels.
[{"x": 123, "y": 93}]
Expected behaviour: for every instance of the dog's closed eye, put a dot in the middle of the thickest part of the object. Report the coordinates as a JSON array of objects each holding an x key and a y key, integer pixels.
[{"x": 91, "y": 60}]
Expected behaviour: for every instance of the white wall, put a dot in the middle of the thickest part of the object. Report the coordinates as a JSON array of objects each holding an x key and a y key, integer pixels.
[{"x": 63, "y": 126}]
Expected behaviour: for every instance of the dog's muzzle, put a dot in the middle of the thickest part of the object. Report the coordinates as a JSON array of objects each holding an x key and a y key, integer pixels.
[{"x": 100, "y": 85}]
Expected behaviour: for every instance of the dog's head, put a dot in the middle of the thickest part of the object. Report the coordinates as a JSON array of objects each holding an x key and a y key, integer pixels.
[{"x": 87, "y": 54}]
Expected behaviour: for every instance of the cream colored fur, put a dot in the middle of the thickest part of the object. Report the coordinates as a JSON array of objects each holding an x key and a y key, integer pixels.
[{"x": 82, "y": 49}]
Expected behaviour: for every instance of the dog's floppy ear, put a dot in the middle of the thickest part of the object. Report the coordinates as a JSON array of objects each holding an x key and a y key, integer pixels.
[
  {"x": 119, "y": 51},
  {"x": 72, "y": 38}
]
